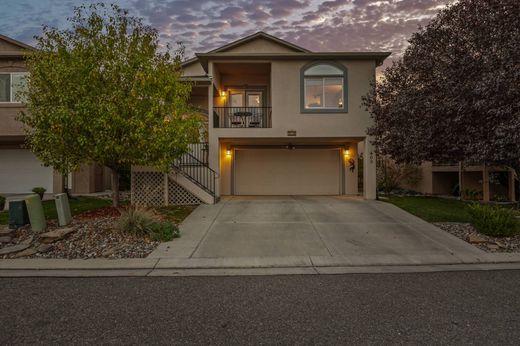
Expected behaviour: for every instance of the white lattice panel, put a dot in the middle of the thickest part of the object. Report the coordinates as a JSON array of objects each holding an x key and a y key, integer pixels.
[
  {"x": 148, "y": 188},
  {"x": 177, "y": 195}
]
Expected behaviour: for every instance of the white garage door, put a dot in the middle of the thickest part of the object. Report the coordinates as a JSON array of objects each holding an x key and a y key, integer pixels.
[
  {"x": 287, "y": 172},
  {"x": 21, "y": 171}
]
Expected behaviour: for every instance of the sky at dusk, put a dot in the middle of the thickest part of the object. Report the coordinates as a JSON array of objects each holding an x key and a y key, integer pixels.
[{"x": 344, "y": 25}]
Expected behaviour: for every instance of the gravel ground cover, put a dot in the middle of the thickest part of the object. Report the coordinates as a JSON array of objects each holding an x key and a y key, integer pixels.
[
  {"x": 92, "y": 234},
  {"x": 467, "y": 232}
]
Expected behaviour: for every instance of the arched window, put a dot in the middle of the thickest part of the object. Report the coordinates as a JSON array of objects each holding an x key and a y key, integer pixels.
[{"x": 323, "y": 88}]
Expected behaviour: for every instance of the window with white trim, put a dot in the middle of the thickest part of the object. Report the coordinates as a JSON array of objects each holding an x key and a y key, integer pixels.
[
  {"x": 323, "y": 88},
  {"x": 10, "y": 85}
]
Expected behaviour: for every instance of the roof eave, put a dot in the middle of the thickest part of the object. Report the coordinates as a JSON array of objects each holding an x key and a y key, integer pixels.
[
  {"x": 17, "y": 43},
  {"x": 378, "y": 57}
]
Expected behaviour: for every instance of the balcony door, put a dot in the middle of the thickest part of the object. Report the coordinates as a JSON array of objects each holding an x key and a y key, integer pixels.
[
  {"x": 246, "y": 108},
  {"x": 246, "y": 98}
]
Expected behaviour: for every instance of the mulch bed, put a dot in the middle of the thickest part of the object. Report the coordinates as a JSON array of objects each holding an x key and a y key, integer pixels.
[
  {"x": 94, "y": 236},
  {"x": 468, "y": 233}
]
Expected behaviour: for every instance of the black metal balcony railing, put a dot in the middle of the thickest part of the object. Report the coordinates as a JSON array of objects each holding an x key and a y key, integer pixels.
[{"x": 242, "y": 117}]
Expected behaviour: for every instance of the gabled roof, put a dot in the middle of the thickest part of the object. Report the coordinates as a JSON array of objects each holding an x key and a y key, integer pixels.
[
  {"x": 14, "y": 53},
  {"x": 296, "y": 53},
  {"x": 260, "y": 34},
  {"x": 252, "y": 37}
]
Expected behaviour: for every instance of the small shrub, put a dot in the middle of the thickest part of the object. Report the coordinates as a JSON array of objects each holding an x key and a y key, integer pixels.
[
  {"x": 472, "y": 195},
  {"x": 39, "y": 191},
  {"x": 392, "y": 176},
  {"x": 493, "y": 220},
  {"x": 164, "y": 231},
  {"x": 136, "y": 221}
]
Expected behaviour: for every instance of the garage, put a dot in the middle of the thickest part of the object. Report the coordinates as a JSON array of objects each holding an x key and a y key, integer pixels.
[
  {"x": 21, "y": 171},
  {"x": 296, "y": 171}
]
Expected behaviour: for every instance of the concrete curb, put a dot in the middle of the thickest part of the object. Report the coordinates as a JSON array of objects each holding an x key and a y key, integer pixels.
[{"x": 299, "y": 265}]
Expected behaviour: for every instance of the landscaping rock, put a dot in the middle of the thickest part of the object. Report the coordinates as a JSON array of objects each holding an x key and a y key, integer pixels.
[
  {"x": 13, "y": 249},
  {"x": 52, "y": 236},
  {"x": 5, "y": 239},
  {"x": 25, "y": 253},
  {"x": 43, "y": 248},
  {"x": 28, "y": 240},
  {"x": 109, "y": 252},
  {"x": 492, "y": 246},
  {"x": 484, "y": 242},
  {"x": 475, "y": 238},
  {"x": 501, "y": 245},
  {"x": 6, "y": 232}
]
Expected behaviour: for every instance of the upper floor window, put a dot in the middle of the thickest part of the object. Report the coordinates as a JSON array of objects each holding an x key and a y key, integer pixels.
[
  {"x": 10, "y": 85},
  {"x": 324, "y": 88}
]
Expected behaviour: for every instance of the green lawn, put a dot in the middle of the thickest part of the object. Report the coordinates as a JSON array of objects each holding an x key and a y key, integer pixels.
[
  {"x": 176, "y": 213},
  {"x": 434, "y": 209},
  {"x": 77, "y": 206}
]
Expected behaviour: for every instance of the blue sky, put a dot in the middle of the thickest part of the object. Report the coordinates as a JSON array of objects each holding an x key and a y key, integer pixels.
[{"x": 342, "y": 25}]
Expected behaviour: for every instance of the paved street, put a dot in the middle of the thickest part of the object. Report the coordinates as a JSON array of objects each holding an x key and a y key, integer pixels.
[{"x": 430, "y": 308}]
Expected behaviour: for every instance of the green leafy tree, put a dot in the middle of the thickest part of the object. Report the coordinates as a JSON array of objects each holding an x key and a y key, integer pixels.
[{"x": 105, "y": 92}]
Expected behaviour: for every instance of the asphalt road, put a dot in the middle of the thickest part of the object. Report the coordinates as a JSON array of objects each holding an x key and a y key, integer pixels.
[{"x": 430, "y": 308}]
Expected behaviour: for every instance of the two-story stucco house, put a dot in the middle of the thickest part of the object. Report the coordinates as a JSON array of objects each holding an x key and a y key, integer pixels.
[
  {"x": 20, "y": 170},
  {"x": 281, "y": 120}
]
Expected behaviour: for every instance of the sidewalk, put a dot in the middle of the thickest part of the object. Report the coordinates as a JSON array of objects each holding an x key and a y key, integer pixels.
[{"x": 300, "y": 265}]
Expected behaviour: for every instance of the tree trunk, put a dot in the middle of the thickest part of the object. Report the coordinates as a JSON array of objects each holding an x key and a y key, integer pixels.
[
  {"x": 461, "y": 180},
  {"x": 485, "y": 184},
  {"x": 115, "y": 187}
]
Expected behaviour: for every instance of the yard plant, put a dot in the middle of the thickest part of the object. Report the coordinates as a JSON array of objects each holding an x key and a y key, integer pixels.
[
  {"x": 493, "y": 220},
  {"x": 144, "y": 222},
  {"x": 104, "y": 91}
]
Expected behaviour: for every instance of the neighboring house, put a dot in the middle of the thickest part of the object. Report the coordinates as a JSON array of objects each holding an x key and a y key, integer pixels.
[
  {"x": 478, "y": 182},
  {"x": 20, "y": 170},
  {"x": 282, "y": 120}
]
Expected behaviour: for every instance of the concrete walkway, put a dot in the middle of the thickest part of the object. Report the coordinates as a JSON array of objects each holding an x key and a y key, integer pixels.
[{"x": 289, "y": 235}]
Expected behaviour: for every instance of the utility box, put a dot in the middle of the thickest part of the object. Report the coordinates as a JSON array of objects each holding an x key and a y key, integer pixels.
[
  {"x": 63, "y": 209},
  {"x": 18, "y": 216},
  {"x": 35, "y": 211}
]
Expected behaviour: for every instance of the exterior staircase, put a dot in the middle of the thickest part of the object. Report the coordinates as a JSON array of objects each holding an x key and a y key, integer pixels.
[{"x": 192, "y": 172}]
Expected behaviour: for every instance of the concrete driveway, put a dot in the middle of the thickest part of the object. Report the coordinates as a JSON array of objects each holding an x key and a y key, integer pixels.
[{"x": 325, "y": 229}]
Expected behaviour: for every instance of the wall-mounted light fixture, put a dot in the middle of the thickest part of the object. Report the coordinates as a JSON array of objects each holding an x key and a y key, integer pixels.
[
  {"x": 223, "y": 93},
  {"x": 346, "y": 152},
  {"x": 228, "y": 151}
]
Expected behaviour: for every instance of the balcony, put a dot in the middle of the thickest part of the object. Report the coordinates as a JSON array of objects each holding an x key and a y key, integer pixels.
[{"x": 242, "y": 117}]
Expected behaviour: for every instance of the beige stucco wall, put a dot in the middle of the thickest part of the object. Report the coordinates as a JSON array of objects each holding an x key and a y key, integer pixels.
[
  {"x": 89, "y": 178},
  {"x": 286, "y": 115},
  {"x": 7, "y": 46},
  {"x": 351, "y": 176},
  {"x": 285, "y": 102},
  {"x": 194, "y": 69},
  {"x": 9, "y": 126}
]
